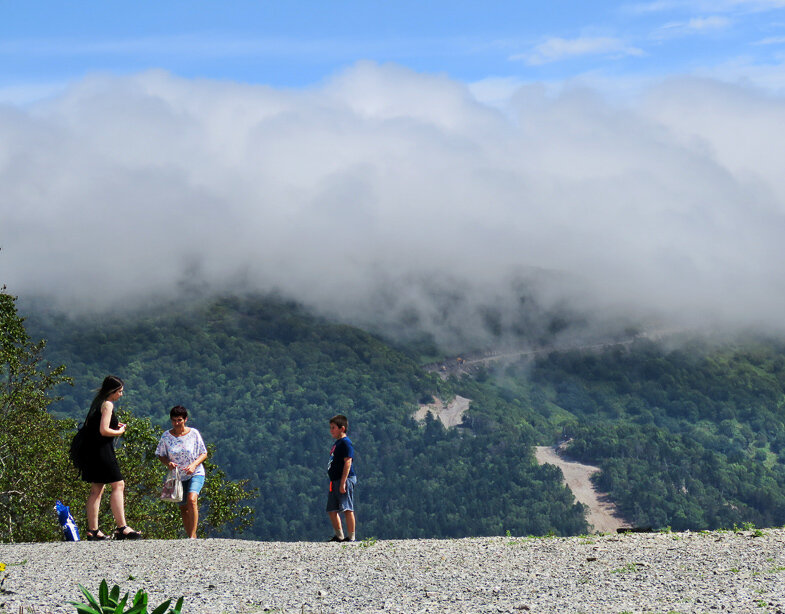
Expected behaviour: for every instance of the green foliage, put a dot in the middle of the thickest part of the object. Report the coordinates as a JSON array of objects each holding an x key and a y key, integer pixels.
[
  {"x": 34, "y": 464},
  {"x": 261, "y": 378},
  {"x": 35, "y": 469},
  {"x": 688, "y": 438},
  {"x": 220, "y": 496},
  {"x": 110, "y": 602}
]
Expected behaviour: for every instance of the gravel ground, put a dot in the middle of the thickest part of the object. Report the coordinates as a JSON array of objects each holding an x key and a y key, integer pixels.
[{"x": 656, "y": 572}]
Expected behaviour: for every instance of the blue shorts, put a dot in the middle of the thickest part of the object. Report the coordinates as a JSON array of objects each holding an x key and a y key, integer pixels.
[
  {"x": 193, "y": 484},
  {"x": 338, "y": 501}
]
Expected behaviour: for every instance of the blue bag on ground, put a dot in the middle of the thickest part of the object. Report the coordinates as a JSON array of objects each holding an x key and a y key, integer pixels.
[{"x": 70, "y": 530}]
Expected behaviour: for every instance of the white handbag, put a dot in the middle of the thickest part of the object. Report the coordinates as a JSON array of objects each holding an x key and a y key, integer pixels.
[{"x": 172, "y": 490}]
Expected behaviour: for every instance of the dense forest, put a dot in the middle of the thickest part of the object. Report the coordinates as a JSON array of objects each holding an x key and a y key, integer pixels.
[
  {"x": 262, "y": 377},
  {"x": 688, "y": 437}
]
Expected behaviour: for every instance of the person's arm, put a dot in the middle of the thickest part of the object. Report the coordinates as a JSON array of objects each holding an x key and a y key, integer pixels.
[
  {"x": 169, "y": 464},
  {"x": 199, "y": 460},
  {"x": 162, "y": 452},
  {"x": 347, "y": 465},
  {"x": 106, "y": 418},
  {"x": 201, "y": 449}
]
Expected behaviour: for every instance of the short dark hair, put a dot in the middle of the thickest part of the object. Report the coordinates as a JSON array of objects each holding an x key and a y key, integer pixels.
[
  {"x": 340, "y": 421},
  {"x": 178, "y": 411}
]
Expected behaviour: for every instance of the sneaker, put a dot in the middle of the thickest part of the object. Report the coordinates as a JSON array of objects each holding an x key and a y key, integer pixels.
[
  {"x": 335, "y": 538},
  {"x": 347, "y": 539}
]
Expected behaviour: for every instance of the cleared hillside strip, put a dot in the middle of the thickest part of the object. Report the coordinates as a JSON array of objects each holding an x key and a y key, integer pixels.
[{"x": 603, "y": 517}]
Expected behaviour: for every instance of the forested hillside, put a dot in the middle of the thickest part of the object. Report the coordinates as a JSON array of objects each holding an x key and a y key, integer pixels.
[
  {"x": 262, "y": 378},
  {"x": 690, "y": 438}
]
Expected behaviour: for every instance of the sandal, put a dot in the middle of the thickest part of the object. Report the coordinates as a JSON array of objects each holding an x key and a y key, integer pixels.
[
  {"x": 95, "y": 536},
  {"x": 120, "y": 533}
]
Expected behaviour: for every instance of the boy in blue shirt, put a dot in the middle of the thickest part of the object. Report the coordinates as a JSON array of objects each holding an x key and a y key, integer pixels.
[{"x": 340, "y": 469}]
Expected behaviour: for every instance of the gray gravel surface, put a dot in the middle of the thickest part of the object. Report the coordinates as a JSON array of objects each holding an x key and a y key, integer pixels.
[{"x": 656, "y": 572}]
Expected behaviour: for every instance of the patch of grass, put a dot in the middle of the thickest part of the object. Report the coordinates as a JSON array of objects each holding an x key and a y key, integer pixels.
[
  {"x": 513, "y": 541},
  {"x": 628, "y": 568}
]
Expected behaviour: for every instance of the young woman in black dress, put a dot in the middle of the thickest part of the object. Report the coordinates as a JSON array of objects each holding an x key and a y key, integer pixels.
[{"x": 95, "y": 458}]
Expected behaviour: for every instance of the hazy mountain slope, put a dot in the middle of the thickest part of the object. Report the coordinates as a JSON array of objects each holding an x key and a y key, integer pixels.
[{"x": 262, "y": 378}]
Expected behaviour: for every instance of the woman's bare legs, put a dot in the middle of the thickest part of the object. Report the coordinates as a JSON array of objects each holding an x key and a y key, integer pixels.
[
  {"x": 189, "y": 511},
  {"x": 117, "y": 502},
  {"x": 93, "y": 503}
]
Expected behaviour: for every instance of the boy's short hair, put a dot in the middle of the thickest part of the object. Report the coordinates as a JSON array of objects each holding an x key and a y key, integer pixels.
[
  {"x": 178, "y": 411},
  {"x": 340, "y": 421}
]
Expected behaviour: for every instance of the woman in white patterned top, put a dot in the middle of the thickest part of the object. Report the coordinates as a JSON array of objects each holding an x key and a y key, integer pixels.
[{"x": 184, "y": 448}]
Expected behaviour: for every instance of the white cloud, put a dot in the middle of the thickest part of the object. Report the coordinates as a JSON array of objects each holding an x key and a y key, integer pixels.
[
  {"x": 756, "y": 5},
  {"x": 702, "y": 24},
  {"x": 658, "y": 6},
  {"x": 716, "y": 6},
  {"x": 556, "y": 49},
  {"x": 694, "y": 26},
  {"x": 364, "y": 195},
  {"x": 750, "y": 72},
  {"x": 772, "y": 40}
]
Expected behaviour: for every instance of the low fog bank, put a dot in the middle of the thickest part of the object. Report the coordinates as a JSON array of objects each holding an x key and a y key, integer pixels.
[{"x": 397, "y": 200}]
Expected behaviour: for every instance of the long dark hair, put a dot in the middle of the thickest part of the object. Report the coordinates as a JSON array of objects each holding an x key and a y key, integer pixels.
[
  {"x": 80, "y": 444},
  {"x": 111, "y": 384}
]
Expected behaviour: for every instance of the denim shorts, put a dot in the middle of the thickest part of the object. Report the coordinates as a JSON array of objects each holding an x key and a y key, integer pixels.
[
  {"x": 193, "y": 484},
  {"x": 338, "y": 501}
]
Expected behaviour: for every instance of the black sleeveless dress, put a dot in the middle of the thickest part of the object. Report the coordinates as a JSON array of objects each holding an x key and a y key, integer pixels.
[{"x": 96, "y": 458}]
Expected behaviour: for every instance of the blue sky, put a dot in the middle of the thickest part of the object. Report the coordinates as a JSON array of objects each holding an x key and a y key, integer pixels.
[{"x": 44, "y": 44}]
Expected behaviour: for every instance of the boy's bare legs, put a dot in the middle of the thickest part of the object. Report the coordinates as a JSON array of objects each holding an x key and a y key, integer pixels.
[
  {"x": 350, "y": 524},
  {"x": 93, "y": 503},
  {"x": 335, "y": 520}
]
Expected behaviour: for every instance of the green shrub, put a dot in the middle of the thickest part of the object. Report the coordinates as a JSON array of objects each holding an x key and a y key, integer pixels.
[{"x": 109, "y": 602}]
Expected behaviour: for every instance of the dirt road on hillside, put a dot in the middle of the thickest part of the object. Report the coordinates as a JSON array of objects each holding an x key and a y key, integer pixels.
[{"x": 603, "y": 516}]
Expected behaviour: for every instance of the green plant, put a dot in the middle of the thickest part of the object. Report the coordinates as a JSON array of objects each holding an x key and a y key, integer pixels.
[
  {"x": 110, "y": 602},
  {"x": 368, "y": 542},
  {"x": 628, "y": 568}
]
